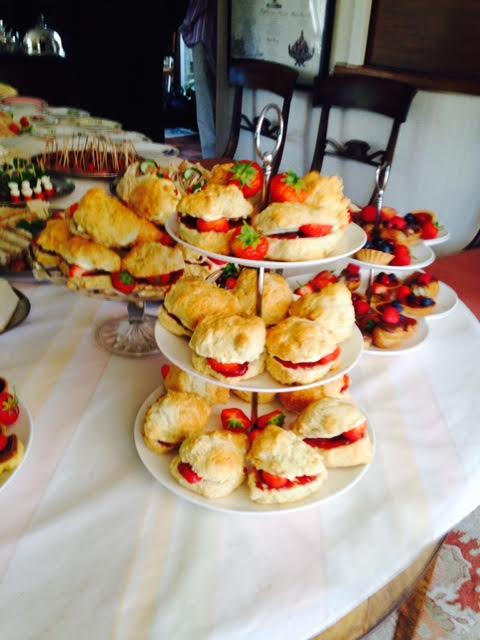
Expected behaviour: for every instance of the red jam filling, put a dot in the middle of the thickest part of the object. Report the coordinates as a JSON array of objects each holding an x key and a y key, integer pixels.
[
  {"x": 310, "y": 365},
  {"x": 267, "y": 482},
  {"x": 188, "y": 473},
  {"x": 229, "y": 369}
]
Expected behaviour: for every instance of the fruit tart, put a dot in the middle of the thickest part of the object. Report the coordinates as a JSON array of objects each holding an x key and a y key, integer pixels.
[
  {"x": 393, "y": 328},
  {"x": 423, "y": 284},
  {"x": 401, "y": 230},
  {"x": 11, "y": 451},
  {"x": 351, "y": 276},
  {"x": 384, "y": 287},
  {"x": 366, "y": 317},
  {"x": 415, "y": 305},
  {"x": 427, "y": 221}
]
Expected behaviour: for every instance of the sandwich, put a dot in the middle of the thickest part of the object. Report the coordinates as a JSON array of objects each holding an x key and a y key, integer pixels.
[
  {"x": 276, "y": 300},
  {"x": 49, "y": 247},
  {"x": 285, "y": 469},
  {"x": 105, "y": 220},
  {"x": 154, "y": 267},
  {"x": 208, "y": 218},
  {"x": 172, "y": 418},
  {"x": 229, "y": 348},
  {"x": 300, "y": 351},
  {"x": 211, "y": 464},
  {"x": 331, "y": 307},
  {"x": 175, "y": 379},
  {"x": 298, "y": 231},
  {"x": 191, "y": 300},
  {"x": 338, "y": 430}
]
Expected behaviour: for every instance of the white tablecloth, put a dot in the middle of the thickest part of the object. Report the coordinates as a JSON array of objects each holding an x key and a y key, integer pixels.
[{"x": 92, "y": 547}]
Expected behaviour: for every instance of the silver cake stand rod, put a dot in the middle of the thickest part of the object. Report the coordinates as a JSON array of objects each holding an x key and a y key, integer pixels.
[{"x": 381, "y": 179}]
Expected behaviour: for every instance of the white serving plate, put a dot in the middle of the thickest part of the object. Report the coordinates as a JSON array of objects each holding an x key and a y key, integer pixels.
[
  {"x": 23, "y": 428},
  {"x": 422, "y": 256},
  {"x": 443, "y": 236},
  {"x": 407, "y": 346},
  {"x": 338, "y": 481},
  {"x": 353, "y": 239},
  {"x": 67, "y": 112},
  {"x": 176, "y": 349},
  {"x": 446, "y": 302}
]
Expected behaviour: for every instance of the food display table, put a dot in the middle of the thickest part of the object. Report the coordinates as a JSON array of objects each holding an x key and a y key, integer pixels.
[{"x": 92, "y": 546}]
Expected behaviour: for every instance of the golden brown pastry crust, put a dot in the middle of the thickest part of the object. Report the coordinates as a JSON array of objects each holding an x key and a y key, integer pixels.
[
  {"x": 176, "y": 416},
  {"x": 105, "y": 219},
  {"x": 391, "y": 339},
  {"x": 281, "y": 217},
  {"x": 229, "y": 338},
  {"x": 91, "y": 256},
  {"x": 155, "y": 199},
  {"x": 153, "y": 259},
  {"x": 193, "y": 299},
  {"x": 297, "y": 401},
  {"x": 282, "y": 453},
  {"x": 277, "y": 295},
  {"x": 374, "y": 257},
  {"x": 351, "y": 455},
  {"x": 55, "y": 236},
  {"x": 327, "y": 418},
  {"x": 149, "y": 232},
  {"x": 299, "y": 340},
  {"x": 172, "y": 324},
  {"x": 47, "y": 260},
  {"x": 214, "y": 202},
  {"x": 255, "y": 368},
  {"x": 221, "y": 173},
  {"x": 327, "y": 192},
  {"x": 178, "y": 380},
  {"x": 207, "y": 240},
  {"x": 331, "y": 307}
]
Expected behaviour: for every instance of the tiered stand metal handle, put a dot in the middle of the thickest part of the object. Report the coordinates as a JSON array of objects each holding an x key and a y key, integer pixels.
[{"x": 381, "y": 178}]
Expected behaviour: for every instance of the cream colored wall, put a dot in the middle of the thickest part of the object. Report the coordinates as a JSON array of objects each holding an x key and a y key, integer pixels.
[{"x": 437, "y": 160}]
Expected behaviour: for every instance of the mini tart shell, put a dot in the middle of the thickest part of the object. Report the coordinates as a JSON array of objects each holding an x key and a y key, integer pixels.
[
  {"x": 286, "y": 375},
  {"x": 206, "y": 240},
  {"x": 374, "y": 257},
  {"x": 255, "y": 368},
  {"x": 281, "y": 496},
  {"x": 392, "y": 339},
  {"x": 418, "y": 312}
]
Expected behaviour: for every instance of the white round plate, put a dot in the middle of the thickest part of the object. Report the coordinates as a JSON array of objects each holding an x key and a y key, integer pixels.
[
  {"x": 67, "y": 112},
  {"x": 406, "y": 347},
  {"x": 176, "y": 349},
  {"x": 337, "y": 482},
  {"x": 130, "y": 136},
  {"x": 23, "y": 428},
  {"x": 446, "y": 302},
  {"x": 422, "y": 256},
  {"x": 353, "y": 239},
  {"x": 443, "y": 236},
  {"x": 96, "y": 124},
  {"x": 158, "y": 151}
]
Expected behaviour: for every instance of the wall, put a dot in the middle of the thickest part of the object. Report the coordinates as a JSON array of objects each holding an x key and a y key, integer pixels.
[{"x": 437, "y": 160}]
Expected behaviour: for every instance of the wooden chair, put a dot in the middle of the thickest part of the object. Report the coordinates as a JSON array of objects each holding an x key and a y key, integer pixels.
[
  {"x": 386, "y": 97},
  {"x": 259, "y": 74}
]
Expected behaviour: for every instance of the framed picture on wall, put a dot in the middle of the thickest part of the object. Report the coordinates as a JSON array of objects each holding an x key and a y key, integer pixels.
[{"x": 296, "y": 33}]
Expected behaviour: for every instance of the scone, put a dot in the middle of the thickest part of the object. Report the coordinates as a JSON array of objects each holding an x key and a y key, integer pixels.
[
  {"x": 229, "y": 348},
  {"x": 175, "y": 379},
  {"x": 331, "y": 307},
  {"x": 191, "y": 300},
  {"x": 285, "y": 469},
  {"x": 208, "y": 218},
  {"x": 246, "y": 396},
  {"x": 297, "y": 401},
  {"x": 326, "y": 192},
  {"x": 154, "y": 266},
  {"x": 300, "y": 351},
  {"x": 174, "y": 417},
  {"x": 12, "y": 454},
  {"x": 211, "y": 464},
  {"x": 298, "y": 232},
  {"x": 150, "y": 233},
  {"x": 105, "y": 220},
  {"x": 338, "y": 430},
  {"x": 198, "y": 265},
  {"x": 50, "y": 245},
  {"x": 91, "y": 264},
  {"x": 277, "y": 295},
  {"x": 154, "y": 199}
]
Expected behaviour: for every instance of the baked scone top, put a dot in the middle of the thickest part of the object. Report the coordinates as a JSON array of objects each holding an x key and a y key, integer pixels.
[
  {"x": 216, "y": 456},
  {"x": 277, "y": 295},
  {"x": 192, "y": 299},
  {"x": 175, "y": 416},
  {"x": 284, "y": 454},
  {"x": 324, "y": 190},
  {"x": 299, "y": 340},
  {"x": 327, "y": 418},
  {"x": 154, "y": 199},
  {"x": 148, "y": 232},
  {"x": 281, "y": 217},
  {"x": 333, "y": 304},
  {"x": 229, "y": 338},
  {"x": 91, "y": 255},
  {"x": 105, "y": 220},
  {"x": 214, "y": 202},
  {"x": 55, "y": 236},
  {"x": 153, "y": 259},
  {"x": 178, "y": 380}
]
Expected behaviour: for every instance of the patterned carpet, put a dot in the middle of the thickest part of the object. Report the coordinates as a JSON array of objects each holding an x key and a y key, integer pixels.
[{"x": 452, "y": 606}]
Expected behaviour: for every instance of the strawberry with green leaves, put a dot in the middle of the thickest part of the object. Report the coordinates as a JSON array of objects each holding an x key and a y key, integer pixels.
[
  {"x": 235, "y": 420},
  {"x": 248, "y": 177},
  {"x": 248, "y": 243},
  {"x": 276, "y": 418},
  {"x": 124, "y": 282},
  {"x": 287, "y": 187},
  {"x": 9, "y": 409}
]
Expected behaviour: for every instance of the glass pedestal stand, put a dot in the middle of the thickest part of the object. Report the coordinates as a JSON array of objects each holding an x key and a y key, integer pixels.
[{"x": 132, "y": 336}]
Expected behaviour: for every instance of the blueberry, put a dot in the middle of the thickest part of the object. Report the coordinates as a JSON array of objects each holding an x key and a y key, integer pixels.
[
  {"x": 427, "y": 302},
  {"x": 393, "y": 278},
  {"x": 410, "y": 218},
  {"x": 398, "y": 305},
  {"x": 411, "y": 300},
  {"x": 381, "y": 275}
]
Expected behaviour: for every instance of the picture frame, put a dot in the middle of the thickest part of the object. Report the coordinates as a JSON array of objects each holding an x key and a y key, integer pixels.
[{"x": 297, "y": 33}]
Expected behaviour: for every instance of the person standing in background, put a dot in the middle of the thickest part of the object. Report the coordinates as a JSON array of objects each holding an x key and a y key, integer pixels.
[{"x": 199, "y": 32}]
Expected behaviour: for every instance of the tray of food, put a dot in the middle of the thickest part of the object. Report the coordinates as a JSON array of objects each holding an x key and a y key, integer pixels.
[
  {"x": 16, "y": 433},
  {"x": 22, "y": 181}
]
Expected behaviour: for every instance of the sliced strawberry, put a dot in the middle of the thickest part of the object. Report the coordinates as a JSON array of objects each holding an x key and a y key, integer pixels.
[
  {"x": 188, "y": 473},
  {"x": 305, "y": 290},
  {"x": 235, "y": 420},
  {"x": 305, "y": 479},
  {"x": 253, "y": 435},
  {"x": 391, "y": 315},
  {"x": 165, "y": 369},
  {"x": 230, "y": 283},
  {"x": 354, "y": 269},
  {"x": 274, "y": 482},
  {"x": 403, "y": 292},
  {"x": 361, "y": 307},
  {"x": 402, "y": 256},
  {"x": 167, "y": 240},
  {"x": 355, "y": 434},
  {"x": 309, "y": 365},
  {"x": 230, "y": 369},
  {"x": 76, "y": 271},
  {"x": 429, "y": 231},
  {"x": 276, "y": 418},
  {"x": 315, "y": 230},
  {"x": 425, "y": 278},
  {"x": 398, "y": 222},
  {"x": 71, "y": 210},
  {"x": 369, "y": 214},
  {"x": 24, "y": 122},
  {"x": 346, "y": 383},
  {"x": 14, "y": 128},
  {"x": 422, "y": 217},
  {"x": 9, "y": 408},
  {"x": 219, "y": 226},
  {"x": 322, "y": 280}
]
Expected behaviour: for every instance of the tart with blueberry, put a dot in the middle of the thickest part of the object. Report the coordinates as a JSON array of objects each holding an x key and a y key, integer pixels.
[
  {"x": 423, "y": 284},
  {"x": 401, "y": 230},
  {"x": 415, "y": 305},
  {"x": 377, "y": 251},
  {"x": 351, "y": 276},
  {"x": 384, "y": 287},
  {"x": 393, "y": 328}
]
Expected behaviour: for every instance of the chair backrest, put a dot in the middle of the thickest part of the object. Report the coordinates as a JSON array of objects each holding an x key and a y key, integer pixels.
[
  {"x": 268, "y": 76},
  {"x": 387, "y": 97}
]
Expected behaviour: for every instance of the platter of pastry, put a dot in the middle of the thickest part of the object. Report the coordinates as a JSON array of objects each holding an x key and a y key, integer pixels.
[
  {"x": 215, "y": 459},
  {"x": 16, "y": 433}
]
